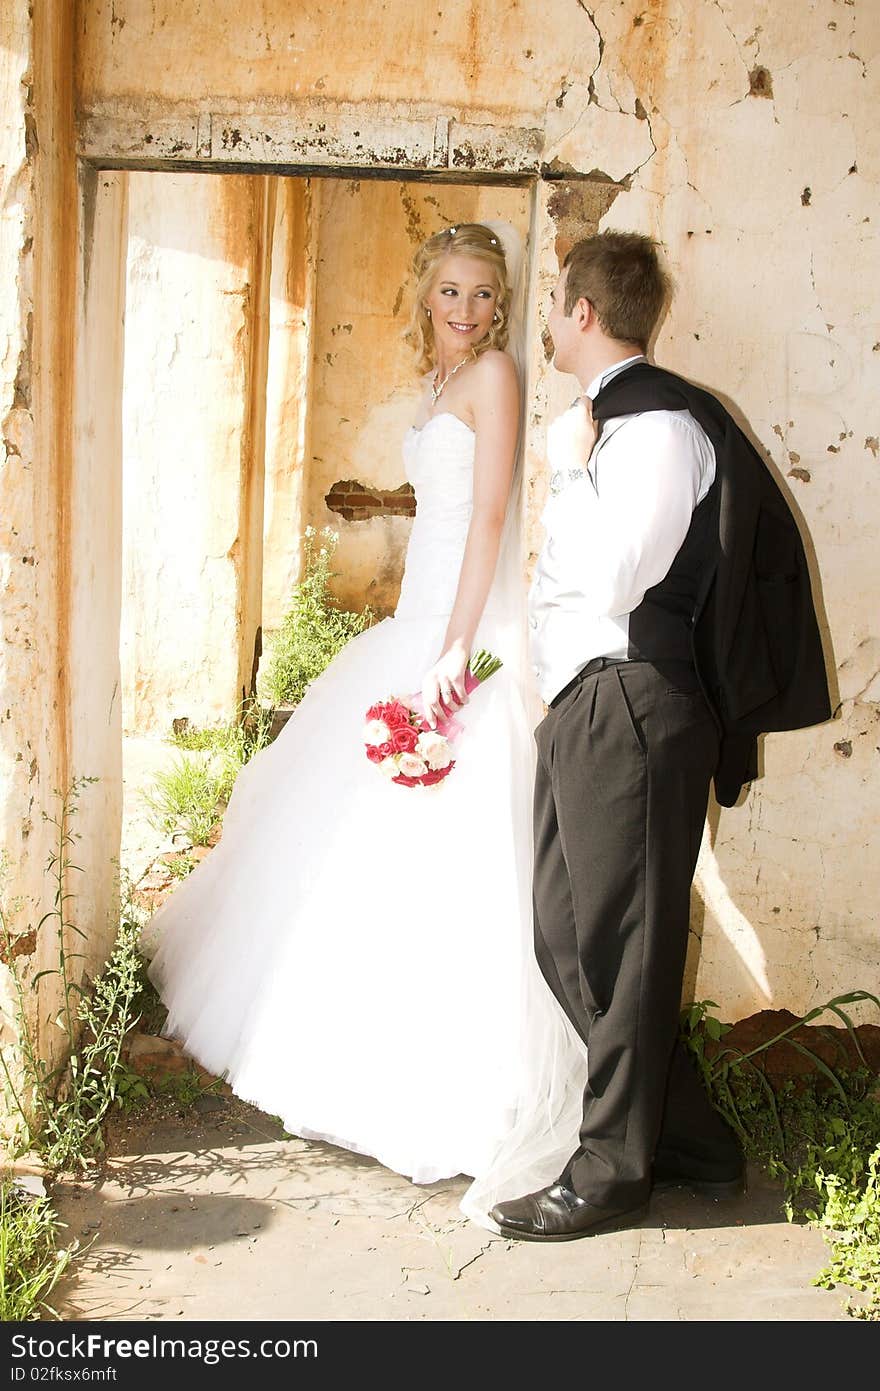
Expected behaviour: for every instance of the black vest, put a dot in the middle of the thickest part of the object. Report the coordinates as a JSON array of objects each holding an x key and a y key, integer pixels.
[
  {"x": 739, "y": 586},
  {"x": 661, "y": 628}
]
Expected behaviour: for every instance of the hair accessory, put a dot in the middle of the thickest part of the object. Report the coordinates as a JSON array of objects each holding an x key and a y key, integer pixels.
[
  {"x": 452, "y": 230},
  {"x": 493, "y": 241}
]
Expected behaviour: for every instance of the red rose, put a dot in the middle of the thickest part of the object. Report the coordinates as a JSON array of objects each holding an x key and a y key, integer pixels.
[
  {"x": 374, "y": 754},
  {"x": 376, "y": 712},
  {"x": 396, "y": 714},
  {"x": 404, "y": 739},
  {"x": 385, "y": 751},
  {"x": 436, "y": 775}
]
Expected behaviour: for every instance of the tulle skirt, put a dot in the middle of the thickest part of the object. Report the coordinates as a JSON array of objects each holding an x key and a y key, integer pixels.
[{"x": 356, "y": 956}]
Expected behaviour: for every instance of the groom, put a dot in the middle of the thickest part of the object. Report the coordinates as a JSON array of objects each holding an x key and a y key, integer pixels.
[{"x": 671, "y": 622}]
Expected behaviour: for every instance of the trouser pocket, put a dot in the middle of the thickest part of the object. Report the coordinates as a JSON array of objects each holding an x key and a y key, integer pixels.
[{"x": 631, "y": 717}]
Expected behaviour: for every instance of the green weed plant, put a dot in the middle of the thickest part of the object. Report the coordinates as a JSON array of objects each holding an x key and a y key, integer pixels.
[
  {"x": 31, "y": 1263},
  {"x": 185, "y": 1088},
  {"x": 820, "y": 1136},
  {"x": 60, "y": 1110},
  {"x": 314, "y": 629},
  {"x": 190, "y": 795}
]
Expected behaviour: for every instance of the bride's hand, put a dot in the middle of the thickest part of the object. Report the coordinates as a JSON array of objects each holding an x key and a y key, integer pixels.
[{"x": 443, "y": 688}]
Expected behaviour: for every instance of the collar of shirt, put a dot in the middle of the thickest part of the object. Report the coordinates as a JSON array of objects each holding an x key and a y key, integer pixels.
[{"x": 597, "y": 383}]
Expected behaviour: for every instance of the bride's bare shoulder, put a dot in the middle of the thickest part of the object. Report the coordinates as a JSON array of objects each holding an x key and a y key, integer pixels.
[{"x": 495, "y": 368}]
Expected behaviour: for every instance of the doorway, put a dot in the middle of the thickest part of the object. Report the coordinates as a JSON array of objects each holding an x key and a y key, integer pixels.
[{"x": 264, "y": 367}]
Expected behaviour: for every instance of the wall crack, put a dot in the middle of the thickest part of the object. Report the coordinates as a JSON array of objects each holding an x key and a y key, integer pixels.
[{"x": 591, "y": 81}]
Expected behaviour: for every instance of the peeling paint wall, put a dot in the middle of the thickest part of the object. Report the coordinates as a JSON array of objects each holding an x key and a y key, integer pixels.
[
  {"x": 483, "y": 57},
  {"x": 743, "y": 136},
  {"x": 25, "y": 740},
  {"x": 193, "y": 457},
  {"x": 57, "y": 717},
  {"x": 95, "y": 527},
  {"x": 294, "y": 254}
]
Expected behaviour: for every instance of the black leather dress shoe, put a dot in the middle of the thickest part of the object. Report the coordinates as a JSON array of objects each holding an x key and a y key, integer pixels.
[{"x": 558, "y": 1214}]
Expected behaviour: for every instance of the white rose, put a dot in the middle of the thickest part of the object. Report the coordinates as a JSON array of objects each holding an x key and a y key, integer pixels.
[
  {"x": 412, "y": 767},
  {"x": 376, "y": 732},
  {"x": 434, "y": 749},
  {"x": 389, "y": 767}
]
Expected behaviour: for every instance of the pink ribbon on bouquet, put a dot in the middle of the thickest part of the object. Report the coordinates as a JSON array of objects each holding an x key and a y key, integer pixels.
[{"x": 449, "y": 727}]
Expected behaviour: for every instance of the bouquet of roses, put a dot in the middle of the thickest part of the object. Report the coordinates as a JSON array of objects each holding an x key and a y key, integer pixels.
[{"x": 402, "y": 744}]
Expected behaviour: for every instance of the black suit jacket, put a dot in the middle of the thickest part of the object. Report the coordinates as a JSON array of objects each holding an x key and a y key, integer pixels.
[{"x": 755, "y": 637}]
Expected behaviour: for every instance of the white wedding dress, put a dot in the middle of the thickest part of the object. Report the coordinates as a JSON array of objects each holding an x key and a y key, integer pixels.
[{"x": 356, "y": 956}]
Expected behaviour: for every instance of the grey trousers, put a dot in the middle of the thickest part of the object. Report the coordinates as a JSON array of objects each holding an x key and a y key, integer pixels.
[{"x": 624, "y": 765}]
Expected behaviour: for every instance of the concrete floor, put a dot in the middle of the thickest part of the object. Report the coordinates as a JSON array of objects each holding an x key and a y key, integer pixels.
[{"x": 215, "y": 1215}]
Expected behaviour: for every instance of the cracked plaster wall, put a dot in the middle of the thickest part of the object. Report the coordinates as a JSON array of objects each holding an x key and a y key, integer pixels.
[
  {"x": 58, "y": 678},
  {"x": 188, "y": 623},
  {"x": 26, "y": 735},
  {"x": 744, "y": 137},
  {"x": 288, "y": 388}
]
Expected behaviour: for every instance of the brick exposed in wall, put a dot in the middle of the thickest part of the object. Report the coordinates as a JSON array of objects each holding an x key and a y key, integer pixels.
[
  {"x": 358, "y": 503},
  {"x": 577, "y": 208},
  {"x": 25, "y": 944}
]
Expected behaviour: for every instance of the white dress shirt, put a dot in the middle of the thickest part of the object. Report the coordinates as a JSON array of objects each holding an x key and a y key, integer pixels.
[{"x": 613, "y": 529}]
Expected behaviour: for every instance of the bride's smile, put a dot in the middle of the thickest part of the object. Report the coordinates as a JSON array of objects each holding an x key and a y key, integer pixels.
[{"x": 462, "y": 304}]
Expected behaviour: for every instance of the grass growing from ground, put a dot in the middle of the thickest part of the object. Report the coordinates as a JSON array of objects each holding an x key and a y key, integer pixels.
[
  {"x": 819, "y": 1135},
  {"x": 60, "y": 1109},
  {"x": 30, "y": 1262},
  {"x": 186, "y": 797},
  {"x": 191, "y": 795}
]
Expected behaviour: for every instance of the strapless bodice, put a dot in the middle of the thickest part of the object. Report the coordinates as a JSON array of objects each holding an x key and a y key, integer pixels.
[{"x": 439, "y": 463}]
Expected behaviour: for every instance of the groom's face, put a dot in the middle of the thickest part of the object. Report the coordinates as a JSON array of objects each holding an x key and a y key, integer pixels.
[{"x": 561, "y": 326}]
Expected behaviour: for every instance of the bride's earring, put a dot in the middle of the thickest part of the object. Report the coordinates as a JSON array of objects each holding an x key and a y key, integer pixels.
[
  {"x": 496, "y": 317},
  {"x": 428, "y": 311}
]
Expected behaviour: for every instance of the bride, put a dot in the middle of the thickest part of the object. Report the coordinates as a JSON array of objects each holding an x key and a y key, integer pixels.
[{"x": 355, "y": 955}]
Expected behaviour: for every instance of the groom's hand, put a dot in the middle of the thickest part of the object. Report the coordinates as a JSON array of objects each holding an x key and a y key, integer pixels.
[
  {"x": 584, "y": 430},
  {"x": 571, "y": 436}
]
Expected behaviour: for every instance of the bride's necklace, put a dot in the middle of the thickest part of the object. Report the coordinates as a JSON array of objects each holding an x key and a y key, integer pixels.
[{"x": 436, "y": 390}]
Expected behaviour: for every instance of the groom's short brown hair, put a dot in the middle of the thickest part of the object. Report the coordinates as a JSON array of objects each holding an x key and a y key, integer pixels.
[{"x": 621, "y": 275}]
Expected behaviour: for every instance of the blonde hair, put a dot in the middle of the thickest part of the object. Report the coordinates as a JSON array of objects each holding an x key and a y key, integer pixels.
[{"x": 466, "y": 239}]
